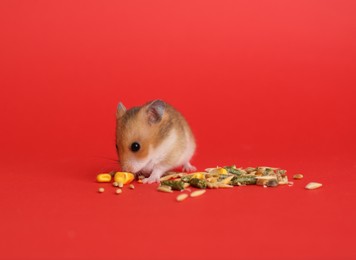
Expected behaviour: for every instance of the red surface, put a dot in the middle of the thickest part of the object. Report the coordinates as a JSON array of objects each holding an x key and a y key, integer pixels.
[{"x": 261, "y": 83}]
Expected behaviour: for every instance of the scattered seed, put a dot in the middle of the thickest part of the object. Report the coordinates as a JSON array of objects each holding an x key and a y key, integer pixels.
[
  {"x": 182, "y": 197},
  {"x": 115, "y": 184},
  {"x": 171, "y": 176},
  {"x": 227, "y": 180},
  {"x": 262, "y": 180},
  {"x": 284, "y": 180},
  {"x": 224, "y": 185},
  {"x": 313, "y": 185},
  {"x": 272, "y": 183},
  {"x": 298, "y": 176},
  {"x": 118, "y": 191},
  {"x": 164, "y": 188},
  {"x": 101, "y": 190},
  {"x": 197, "y": 193},
  {"x": 120, "y": 184},
  {"x": 132, "y": 187}
]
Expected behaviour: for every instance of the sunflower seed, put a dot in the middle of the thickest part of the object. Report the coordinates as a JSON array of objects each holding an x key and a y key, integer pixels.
[
  {"x": 272, "y": 183},
  {"x": 298, "y": 176}
]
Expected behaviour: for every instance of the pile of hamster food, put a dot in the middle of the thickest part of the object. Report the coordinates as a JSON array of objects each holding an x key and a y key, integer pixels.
[
  {"x": 212, "y": 178},
  {"x": 225, "y": 177}
]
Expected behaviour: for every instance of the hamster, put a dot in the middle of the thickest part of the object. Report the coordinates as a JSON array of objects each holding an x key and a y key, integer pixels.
[{"x": 153, "y": 139}]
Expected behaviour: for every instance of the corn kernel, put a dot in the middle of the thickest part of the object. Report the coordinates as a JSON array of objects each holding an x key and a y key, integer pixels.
[
  {"x": 218, "y": 171},
  {"x": 198, "y": 175},
  {"x": 103, "y": 177},
  {"x": 124, "y": 177}
]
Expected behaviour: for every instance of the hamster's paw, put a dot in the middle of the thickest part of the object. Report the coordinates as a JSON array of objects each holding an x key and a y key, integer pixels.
[
  {"x": 151, "y": 179},
  {"x": 187, "y": 167}
]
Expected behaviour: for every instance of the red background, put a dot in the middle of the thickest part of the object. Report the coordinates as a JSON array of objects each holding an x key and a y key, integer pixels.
[{"x": 261, "y": 83}]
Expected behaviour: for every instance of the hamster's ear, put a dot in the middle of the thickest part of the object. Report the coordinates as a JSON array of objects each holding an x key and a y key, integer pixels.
[
  {"x": 121, "y": 109},
  {"x": 155, "y": 111}
]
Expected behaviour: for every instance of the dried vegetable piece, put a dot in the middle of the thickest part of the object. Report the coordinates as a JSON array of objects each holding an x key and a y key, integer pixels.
[
  {"x": 175, "y": 185},
  {"x": 243, "y": 180},
  {"x": 198, "y": 183}
]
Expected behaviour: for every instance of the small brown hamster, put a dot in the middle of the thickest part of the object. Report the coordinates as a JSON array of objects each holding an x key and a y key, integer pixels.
[{"x": 153, "y": 139}]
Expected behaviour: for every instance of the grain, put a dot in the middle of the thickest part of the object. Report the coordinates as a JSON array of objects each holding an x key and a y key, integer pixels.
[
  {"x": 182, "y": 197},
  {"x": 197, "y": 193},
  {"x": 164, "y": 188},
  {"x": 298, "y": 176},
  {"x": 313, "y": 185}
]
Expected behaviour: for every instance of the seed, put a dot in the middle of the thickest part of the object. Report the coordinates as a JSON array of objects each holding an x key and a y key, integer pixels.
[
  {"x": 298, "y": 176},
  {"x": 284, "y": 180},
  {"x": 250, "y": 169},
  {"x": 197, "y": 193},
  {"x": 262, "y": 180},
  {"x": 224, "y": 185},
  {"x": 182, "y": 197},
  {"x": 120, "y": 184},
  {"x": 186, "y": 185},
  {"x": 115, "y": 184},
  {"x": 101, "y": 190},
  {"x": 272, "y": 183},
  {"x": 118, "y": 191},
  {"x": 132, "y": 187},
  {"x": 164, "y": 188},
  {"x": 171, "y": 176},
  {"x": 227, "y": 180},
  {"x": 313, "y": 185}
]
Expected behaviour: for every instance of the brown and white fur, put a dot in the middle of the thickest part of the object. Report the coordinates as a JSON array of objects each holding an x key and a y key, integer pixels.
[{"x": 164, "y": 136}]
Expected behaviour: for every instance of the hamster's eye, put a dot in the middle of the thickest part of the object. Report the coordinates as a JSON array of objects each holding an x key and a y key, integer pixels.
[{"x": 135, "y": 147}]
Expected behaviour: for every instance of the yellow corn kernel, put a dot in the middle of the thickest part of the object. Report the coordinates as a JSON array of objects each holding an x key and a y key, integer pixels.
[
  {"x": 198, "y": 175},
  {"x": 124, "y": 177},
  {"x": 218, "y": 171},
  {"x": 103, "y": 177}
]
